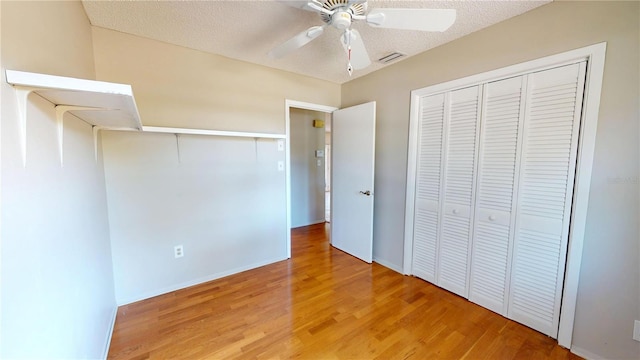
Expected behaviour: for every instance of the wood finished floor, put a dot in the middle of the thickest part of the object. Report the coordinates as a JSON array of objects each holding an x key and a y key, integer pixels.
[{"x": 321, "y": 304}]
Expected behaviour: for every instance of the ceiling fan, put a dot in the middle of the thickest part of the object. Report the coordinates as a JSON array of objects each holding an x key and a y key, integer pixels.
[{"x": 341, "y": 14}]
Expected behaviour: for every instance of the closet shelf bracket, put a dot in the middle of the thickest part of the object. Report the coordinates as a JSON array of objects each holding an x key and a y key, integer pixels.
[
  {"x": 60, "y": 110},
  {"x": 22, "y": 93}
]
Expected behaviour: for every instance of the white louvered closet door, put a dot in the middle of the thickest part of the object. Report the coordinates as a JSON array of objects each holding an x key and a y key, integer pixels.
[
  {"x": 503, "y": 113},
  {"x": 547, "y": 170},
  {"x": 462, "y": 117},
  {"x": 427, "y": 198}
]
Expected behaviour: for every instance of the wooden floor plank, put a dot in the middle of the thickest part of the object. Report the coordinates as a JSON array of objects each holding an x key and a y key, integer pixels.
[{"x": 320, "y": 304}]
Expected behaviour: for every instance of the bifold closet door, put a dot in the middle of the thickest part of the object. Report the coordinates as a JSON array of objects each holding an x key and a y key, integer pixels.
[
  {"x": 427, "y": 194},
  {"x": 445, "y": 182},
  {"x": 503, "y": 113},
  {"x": 496, "y": 229},
  {"x": 547, "y": 171},
  {"x": 458, "y": 185}
]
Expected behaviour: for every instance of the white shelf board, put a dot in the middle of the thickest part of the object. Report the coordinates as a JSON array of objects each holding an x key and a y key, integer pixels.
[
  {"x": 105, "y": 105},
  {"x": 172, "y": 130},
  {"x": 115, "y": 102}
]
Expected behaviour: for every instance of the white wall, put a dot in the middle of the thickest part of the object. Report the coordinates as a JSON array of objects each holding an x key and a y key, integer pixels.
[
  {"x": 180, "y": 87},
  {"x": 226, "y": 201},
  {"x": 222, "y": 199},
  {"x": 609, "y": 290},
  {"x": 307, "y": 178},
  {"x": 57, "y": 297}
]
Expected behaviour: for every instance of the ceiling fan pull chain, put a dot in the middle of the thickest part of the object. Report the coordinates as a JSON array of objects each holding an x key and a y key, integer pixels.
[
  {"x": 349, "y": 67},
  {"x": 347, "y": 35}
]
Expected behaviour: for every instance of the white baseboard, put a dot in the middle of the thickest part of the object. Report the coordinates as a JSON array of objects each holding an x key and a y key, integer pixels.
[
  {"x": 204, "y": 279},
  {"x": 585, "y": 353},
  {"x": 110, "y": 333},
  {"x": 389, "y": 265}
]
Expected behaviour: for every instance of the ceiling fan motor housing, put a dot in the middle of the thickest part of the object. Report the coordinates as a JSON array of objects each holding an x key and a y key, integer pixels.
[
  {"x": 341, "y": 20},
  {"x": 349, "y": 7}
]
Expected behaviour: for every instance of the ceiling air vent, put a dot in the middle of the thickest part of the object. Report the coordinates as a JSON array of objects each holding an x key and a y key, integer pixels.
[{"x": 391, "y": 57}]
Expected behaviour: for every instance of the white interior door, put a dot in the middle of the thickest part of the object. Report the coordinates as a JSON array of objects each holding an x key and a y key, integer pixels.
[{"x": 352, "y": 193}]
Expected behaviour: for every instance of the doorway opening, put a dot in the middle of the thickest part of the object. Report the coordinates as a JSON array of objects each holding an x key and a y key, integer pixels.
[
  {"x": 309, "y": 185},
  {"x": 352, "y": 165},
  {"x": 295, "y": 111}
]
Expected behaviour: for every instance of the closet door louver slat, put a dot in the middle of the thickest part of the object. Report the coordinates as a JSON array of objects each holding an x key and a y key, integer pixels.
[
  {"x": 458, "y": 189},
  {"x": 497, "y": 171},
  {"x": 550, "y": 141},
  {"x": 427, "y": 203}
]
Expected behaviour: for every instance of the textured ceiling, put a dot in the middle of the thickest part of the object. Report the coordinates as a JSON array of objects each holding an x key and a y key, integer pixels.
[{"x": 248, "y": 30}]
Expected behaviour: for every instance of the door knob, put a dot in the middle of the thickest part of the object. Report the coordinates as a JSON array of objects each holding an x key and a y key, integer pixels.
[
  {"x": 368, "y": 193},
  {"x": 455, "y": 211}
]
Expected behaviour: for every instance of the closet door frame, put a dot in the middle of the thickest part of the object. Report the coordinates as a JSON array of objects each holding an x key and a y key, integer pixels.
[{"x": 595, "y": 57}]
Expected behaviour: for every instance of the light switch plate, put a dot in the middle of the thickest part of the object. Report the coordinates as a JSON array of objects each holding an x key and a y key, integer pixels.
[
  {"x": 280, "y": 145},
  {"x": 280, "y": 165}
]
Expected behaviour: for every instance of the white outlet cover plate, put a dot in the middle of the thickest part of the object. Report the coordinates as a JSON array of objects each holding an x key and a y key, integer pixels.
[
  {"x": 280, "y": 165},
  {"x": 178, "y": 251},
  {"x": 280, "y": 145}
]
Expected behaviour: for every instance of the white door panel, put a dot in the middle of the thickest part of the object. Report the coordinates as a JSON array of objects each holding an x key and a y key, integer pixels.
[
  {"x": 428, "y": 178},
  {"x": 497, "y": 177},
  {"x": 462, "y": 114},
  {"x": 550, "y": 146},
  {"x": 353, "y": 147}
]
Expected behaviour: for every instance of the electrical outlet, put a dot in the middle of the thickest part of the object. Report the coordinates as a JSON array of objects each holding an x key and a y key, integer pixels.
[
  {"x": 636, "y": 330},
  {"x": 178, "y": 251}
]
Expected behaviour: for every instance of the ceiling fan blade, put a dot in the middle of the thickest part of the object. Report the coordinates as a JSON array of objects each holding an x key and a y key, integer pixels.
[
  {"x": 412, "y": 19},
  {"x": 299, "y": 4},
  {"x": 296, "y": 42},
  {"x": 359, "y": 56}
]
